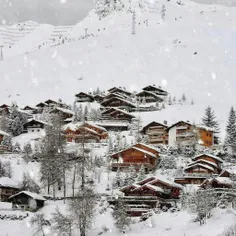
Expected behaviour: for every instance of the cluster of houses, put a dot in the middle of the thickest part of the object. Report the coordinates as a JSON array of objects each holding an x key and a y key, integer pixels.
[{"x": 116, "y": 115}]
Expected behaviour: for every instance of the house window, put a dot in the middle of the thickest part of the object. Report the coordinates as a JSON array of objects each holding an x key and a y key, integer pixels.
[
  {"x": 38, "y": 130},
  {"x": 32, "y": 130}
]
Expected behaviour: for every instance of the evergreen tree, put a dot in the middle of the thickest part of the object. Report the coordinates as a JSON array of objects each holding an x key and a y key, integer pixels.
[
  {"x": 28, "y": 184},
  {"x": 209, "y": 120},
  {"x": 142, "y": 173},
  {"x": 17, "y": 120},
  {"x": 231, "y": 129},
  {"x": 183, "y": 98},
  {"x": 163, "y": 12},
  {"x": 4, "y": 122},
  {"x": 86, "y": 114},
  {"x": 121, "y": 218}
]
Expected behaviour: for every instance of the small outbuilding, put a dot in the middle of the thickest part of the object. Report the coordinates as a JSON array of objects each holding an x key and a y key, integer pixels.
[{"x": 26, "y": 200}]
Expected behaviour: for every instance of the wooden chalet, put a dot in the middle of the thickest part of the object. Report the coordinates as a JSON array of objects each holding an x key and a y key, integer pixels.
[
  {"x": 156, "y": 133},
  {"x": 156, "y": 90},
  {"x": 118, "y": 102},
  {"x": 7, "y": 188},
  {"x": 117, "y": 114},
  {"x": 35, "y": 126},
  {"x": 184, "y": 133},
  {"x": 149, "y": 193},
  {"x": 203, "y": 167},
  {"x": 217, "y": 182},
  {"x": 63, "y": 113},
  {"x": 29, "y": 109},
  {"x": 113, "y": 125},
  {"x": 4, "y": 109},
  {"x": 26, "y": 200},
  {"x": 87, "y": 132},
  {"x": 2, "y": 135},
  {"x": 41, "y": 105},
  {"x": 84, "y": 97},
  {"x": 136, "y": 155},
  {"x": 99, "y": 98},
  {"x": 120, "y": 91},
  {"x": 149, "y": 97}
]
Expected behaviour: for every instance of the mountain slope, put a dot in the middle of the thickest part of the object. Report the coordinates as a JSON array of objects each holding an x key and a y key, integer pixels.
[{"x": 191, "y": 51}]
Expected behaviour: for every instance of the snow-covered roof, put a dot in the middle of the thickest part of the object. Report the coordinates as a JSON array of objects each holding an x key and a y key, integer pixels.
[
  {"x": 205, "y": 128},
  {"x": 200, "y": 165},
  {"x": 121, "y": 99},
  {"x": 205, "y": 161},
  {"x": 39, "y": 121},
  {"x": 115, "y": 124},
  {"x": 64, "y": 110},
  {"x": 75, "y": 126},
  {"x": 95, "y": 125},
  {"x": 156, "y": 188},
  {"x": 138, "y": 149},
  {"x": 150, "y": 93},
  {"x": 120, "y": 110},
  {"x": 4, "y": 133},
  {"x": 209, "y": 155},
  {"x": 164, "y": 180},
  {"x": 144, "y": 151},
  {"x": 224, "y": 180},
  {"x": 186, "y": 122},
  {"x": 7, "y": 182},
  {"x": 148, "y": 146},
  {"x": 35, "y": 196}
]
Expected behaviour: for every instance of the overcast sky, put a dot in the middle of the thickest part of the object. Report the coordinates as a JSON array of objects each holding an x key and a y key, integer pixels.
[
  {"x": 44, "y": 11},
  {"x": 55, "y": 12}
]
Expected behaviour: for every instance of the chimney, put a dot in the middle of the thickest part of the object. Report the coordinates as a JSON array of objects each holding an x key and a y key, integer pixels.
[{"x": 165, "y": 122}]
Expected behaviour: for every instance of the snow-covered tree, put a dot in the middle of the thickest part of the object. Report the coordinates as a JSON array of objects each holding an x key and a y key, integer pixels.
[
  {"x": 39, "y": 222},
  {"x": 134, "y": 23},
  {"x": 27, "y": 149},
  {"x": 4, "y": 122},
  {"x": 230, "y": 140},
  {"x": 121, "y": 218},
  {"x": 209, "y": 120},
  {"x": 62, "y": 224},
  {"x": 82, "y": 210},
  {"x": 28, "y": 184},
  {"x": 163, "y": 12},
  {"x": 7, "y": 141},
  {"x": 183, "y": 98},
  {"x": 78, "y": 111},
  {"x": 142, "y": 173},
  {"x": 17, "y": 120}
]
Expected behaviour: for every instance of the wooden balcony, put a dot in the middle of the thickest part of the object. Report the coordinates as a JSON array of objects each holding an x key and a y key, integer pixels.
[{"x": 115, "y": 165}]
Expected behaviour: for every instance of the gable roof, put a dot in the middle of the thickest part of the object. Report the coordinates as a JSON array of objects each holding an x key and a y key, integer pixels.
[
  {"x": 4, "y": 133},
  {"x": 209, "y": 155},
  {"x": 86, "y": 94},
  {"x": 7, "y": 182},
  {"x": 120, "y": 89},
  {"x": 35, "y": 196},
  {"x": 153, "y": 123},
  {"x": 157, "y": 96},
  {"x": 204, "y": 162},
  {"x": 42, "y": 104},
  {"x": 37, "y": 121},
  {"x": 63, "y": 110},
  {"x": 200, "y": 165},
  {"x": 120, "y": 99},
  {"x": 139, "y": 149},
  {"x": 177, "y": 124},
  {"x": 154, "y": 87},
  {"x": 115, "y": 109},
  {"x": 29, "y": 108}
]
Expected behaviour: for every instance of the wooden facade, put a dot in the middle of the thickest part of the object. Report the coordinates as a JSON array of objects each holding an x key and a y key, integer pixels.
[
  {"x": 88, "y": 133},
  {"x": 84, "y": 97},
  {"x": 156, "y": 133},
  {"x": 7, "y": 189},
  {"x": 117, "y": 114},
  {"x": 118, "y": 102},
  {"x": 156, "y": 90},
  {"x": 63, "y": 113},
  {"x": 98, "y": 98},
  {"x": 34, "y": 126},
  {"x": 150, "y": 193},
  {"x": 203, "y": 167},
  {"x": 119, "y": 91},
  {"x": 23, "y": 200},
  {"x": 185, "y": 134},
  {"x": 137, "y": 155},
  {"x": 148, "y": 97}
]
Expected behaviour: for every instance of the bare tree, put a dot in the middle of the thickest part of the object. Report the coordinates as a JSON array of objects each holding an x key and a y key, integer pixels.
[
  {"x": 62, "y": 224},
  {"x": 122, "y": 220},
  {"x": 39, "y": 222},
  {"x": 82, "y": 209}
]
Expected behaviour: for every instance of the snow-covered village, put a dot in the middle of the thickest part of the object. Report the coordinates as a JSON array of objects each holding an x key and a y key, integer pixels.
[{"x": 123, "y": 123}]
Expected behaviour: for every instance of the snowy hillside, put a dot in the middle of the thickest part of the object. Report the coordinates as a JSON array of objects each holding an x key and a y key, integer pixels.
[{"x": 191, "y": 51}]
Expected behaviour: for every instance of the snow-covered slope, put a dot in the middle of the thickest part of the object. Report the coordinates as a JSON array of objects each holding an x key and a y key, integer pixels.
[{"x": 191, "y": 51}]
